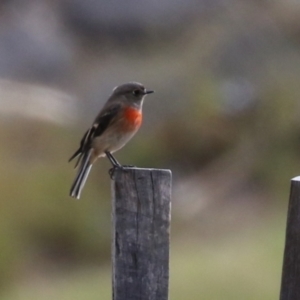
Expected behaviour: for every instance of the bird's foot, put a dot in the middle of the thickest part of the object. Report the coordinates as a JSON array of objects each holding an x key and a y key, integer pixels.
[{"x": 111, "y": 171}]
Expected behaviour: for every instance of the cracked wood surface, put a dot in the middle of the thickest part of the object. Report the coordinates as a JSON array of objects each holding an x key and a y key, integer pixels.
[{"x": 141, "y": 228}]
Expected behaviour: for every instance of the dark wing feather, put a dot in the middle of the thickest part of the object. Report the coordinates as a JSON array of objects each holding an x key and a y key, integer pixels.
[
  {"x": 105, "y": 118},
  {"x": 84, "y": 144},
  {"x": 79, "y": 150},
  {"x": 99, "y": 126}
]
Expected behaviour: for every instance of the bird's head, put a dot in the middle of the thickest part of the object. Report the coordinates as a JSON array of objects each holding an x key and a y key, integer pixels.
[{"x": 133, "y": 92}]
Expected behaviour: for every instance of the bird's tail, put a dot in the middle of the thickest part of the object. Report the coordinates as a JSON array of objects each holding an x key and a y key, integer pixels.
[{"x": 82, "y": 174}]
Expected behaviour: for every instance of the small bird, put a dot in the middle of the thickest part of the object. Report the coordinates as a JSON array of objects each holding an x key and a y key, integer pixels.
[{"x": 115, "y": 125}]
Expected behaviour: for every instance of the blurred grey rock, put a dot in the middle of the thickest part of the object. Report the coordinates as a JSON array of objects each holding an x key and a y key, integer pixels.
[
  {"x": 32, "y": 43},
  {"x": 32, "y": 101},
  {"x": 132, "y": 19}
]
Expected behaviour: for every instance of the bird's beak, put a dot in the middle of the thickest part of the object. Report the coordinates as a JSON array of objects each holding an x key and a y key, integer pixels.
[{"x": 148, "y": 92}]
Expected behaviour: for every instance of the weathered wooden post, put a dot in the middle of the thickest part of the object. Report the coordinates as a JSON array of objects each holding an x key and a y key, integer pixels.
[
  {"x": 141, "y": 228},
  {"x": 290, "y": 283}
]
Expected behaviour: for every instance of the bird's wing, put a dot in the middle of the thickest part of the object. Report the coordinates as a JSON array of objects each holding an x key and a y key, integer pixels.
[
  {"x": 101, "y": 123},
  {"x": 105, "y": 118}
]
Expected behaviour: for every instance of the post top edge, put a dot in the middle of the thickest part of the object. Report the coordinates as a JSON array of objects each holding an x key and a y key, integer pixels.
[{"x": 147, "y": 169}]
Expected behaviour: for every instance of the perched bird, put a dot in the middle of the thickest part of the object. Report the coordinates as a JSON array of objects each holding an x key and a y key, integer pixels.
[{"x": 115, "y": 125}]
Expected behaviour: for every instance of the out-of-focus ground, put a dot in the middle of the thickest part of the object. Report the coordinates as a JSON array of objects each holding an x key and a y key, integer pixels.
[{"x": 225, "y": 119}]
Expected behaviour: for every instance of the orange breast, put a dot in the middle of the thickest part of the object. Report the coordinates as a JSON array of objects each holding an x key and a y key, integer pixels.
[{"x": 133, "y": 118}]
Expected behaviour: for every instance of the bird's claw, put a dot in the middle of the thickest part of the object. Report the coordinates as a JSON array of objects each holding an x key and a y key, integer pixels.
[{"x": 111, "y": 171}]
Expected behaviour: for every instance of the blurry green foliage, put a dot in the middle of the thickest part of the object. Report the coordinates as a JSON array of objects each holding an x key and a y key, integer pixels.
[{"x": 38, "y": 217}]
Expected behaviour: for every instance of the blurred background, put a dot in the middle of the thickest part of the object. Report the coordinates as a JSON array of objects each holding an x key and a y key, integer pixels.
[{"x": 225, "y": 119}]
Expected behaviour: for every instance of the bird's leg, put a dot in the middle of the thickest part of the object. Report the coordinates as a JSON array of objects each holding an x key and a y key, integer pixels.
[
  {"x": 112, "y": 159},
  {"x": 115, "y": 163}
]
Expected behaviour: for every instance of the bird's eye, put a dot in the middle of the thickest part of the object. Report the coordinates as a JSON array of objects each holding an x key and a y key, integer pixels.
[{"x": 136, "y": 92}]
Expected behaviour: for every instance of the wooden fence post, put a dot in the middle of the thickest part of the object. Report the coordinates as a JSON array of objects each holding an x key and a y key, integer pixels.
[
  {"x": 141, "y": 227},
  {"x": 290, "y": 283}
]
